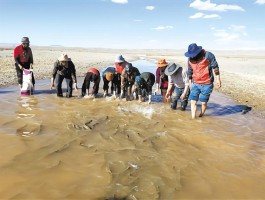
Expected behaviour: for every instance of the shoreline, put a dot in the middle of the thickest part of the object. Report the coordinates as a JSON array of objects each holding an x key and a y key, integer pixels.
[{"x": 246, "y": 88}]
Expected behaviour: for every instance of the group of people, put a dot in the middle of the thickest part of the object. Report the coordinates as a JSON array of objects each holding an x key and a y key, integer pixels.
[{"x": 175, "y": 83}]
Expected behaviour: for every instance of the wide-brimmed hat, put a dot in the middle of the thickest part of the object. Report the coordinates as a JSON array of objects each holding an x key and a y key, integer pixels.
[
  {"x": 25, "y": 40},
  {"x": 119, "y": 59},
  {"x": 162, "y": 63},
  {"x": 193, "y": 50},
  {"x": 64, "y": 57},
  {"x": 172, "y": 69}
]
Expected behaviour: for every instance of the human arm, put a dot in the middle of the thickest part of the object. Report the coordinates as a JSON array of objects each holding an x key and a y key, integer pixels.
[
  {"x": 214, "y": 65},
  {"x": 96, "y": 86},
  {"x": 87, "y": 83},
  {"x": 123, "y": 82},
  {"x": 17, "y": 57},
  {"x": 169, "y": 91},
  {"x": 190, "y": 73},
  {"x": 31, "y": 59},
  {"x": 73, "y": 75},
  {"x": 170, "y": 87},
  {"x": 157, "y": 80},
  {"x": 54, "y": 72},
  {"x": 52, "y": 83},
  {"x": 186, "y": 82},
  {"x": 218, "y": 81}
]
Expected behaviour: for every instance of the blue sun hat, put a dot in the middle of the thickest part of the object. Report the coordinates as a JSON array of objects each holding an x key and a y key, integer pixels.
[
  {"x": 193, "y": 50},
  {"x": 138, "y": 80}
]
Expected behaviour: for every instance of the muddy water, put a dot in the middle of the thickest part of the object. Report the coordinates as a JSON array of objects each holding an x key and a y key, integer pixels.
[{"x": 58, "y": 148}]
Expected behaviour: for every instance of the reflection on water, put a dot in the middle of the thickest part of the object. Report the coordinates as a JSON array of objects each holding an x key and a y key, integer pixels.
[{"x": 113, "y": 149}]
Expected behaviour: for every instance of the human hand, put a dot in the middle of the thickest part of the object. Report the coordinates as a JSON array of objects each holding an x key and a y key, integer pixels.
[
  {"x": 52, "y": 86},
  {"x": 219, "y": 84},
  {"x": 182, "y": 96},
  {"x": 134, "y": 95},
  {"x": 75, "y": 87},
  {"x": 168, "y": 95}
]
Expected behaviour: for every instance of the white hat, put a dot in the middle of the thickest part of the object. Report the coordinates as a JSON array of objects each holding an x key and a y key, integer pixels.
[
  {"x": 119, "y": 59},
  {"x": 64, "y": 57}
]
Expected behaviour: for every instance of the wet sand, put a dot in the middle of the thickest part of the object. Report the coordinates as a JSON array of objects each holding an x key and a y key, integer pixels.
[{"x": 59, "y": 148}]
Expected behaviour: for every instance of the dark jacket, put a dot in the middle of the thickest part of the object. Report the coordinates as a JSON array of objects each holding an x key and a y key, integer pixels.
[
  {"x": 91, "y": 77},
  {"x": 128, "y": 79},
  {"x": 114, "y": 83},
  {"x": 66, "y": 71},
  {"x": 148, "y": 80}
]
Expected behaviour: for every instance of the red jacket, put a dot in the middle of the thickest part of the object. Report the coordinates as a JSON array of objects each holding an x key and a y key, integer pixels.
[
  {"x": 94, "y": 71},
  {"x": 201, "y": 72},
  {"x": 23, "y": 55},
  {"x": 119, "y": 68}
]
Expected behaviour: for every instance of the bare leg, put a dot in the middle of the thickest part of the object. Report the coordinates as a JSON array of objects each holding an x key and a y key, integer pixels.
[
  {"x": 193, "y": 106},
  {"x": 203, "y": 109},
  {"x": 165, "y": 100}
]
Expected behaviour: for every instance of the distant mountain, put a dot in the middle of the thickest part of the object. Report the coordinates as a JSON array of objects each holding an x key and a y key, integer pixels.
[
  {"x": 8, "y": 45},
  {"x": 56, "y": 46}
]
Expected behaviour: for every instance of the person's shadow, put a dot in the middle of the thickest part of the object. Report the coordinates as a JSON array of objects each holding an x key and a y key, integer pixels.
[
  {"x": 221, "y": 110},
  {"x": 5, "y": 91},
  {"x": 38, "y": 92}
]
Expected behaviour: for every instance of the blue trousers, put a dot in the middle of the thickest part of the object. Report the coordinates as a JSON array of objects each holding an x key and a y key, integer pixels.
[{"x": 176, "y": 96}]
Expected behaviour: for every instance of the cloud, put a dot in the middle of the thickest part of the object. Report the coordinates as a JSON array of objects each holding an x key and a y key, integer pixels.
[
  {"x": 164, "y": 28},
  {"x": 120, "y": 1},
  {"x": 232, "y": 33},
  {"x": 150, "y": 7},
  {"x": 207, "y": 5},
  {"x": 260, "y": 2},
  {"x": 137, "y": 20},
  {"x": 204, "y": 16}
]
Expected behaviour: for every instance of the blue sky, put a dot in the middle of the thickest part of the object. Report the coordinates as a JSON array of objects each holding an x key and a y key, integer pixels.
[{"x": 135, "y": 24}]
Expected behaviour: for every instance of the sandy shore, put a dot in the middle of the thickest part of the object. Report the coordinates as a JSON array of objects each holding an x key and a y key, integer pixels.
[{"x": 242, "y": 72}]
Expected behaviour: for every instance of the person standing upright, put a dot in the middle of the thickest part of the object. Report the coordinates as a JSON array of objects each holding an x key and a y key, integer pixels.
[
  {"x": 23, "y": 59},
  {"x": 201, "y": 64}
]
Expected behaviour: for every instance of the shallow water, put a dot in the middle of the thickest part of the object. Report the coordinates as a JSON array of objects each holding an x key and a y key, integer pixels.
[{"x": 105, "y": 148}]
